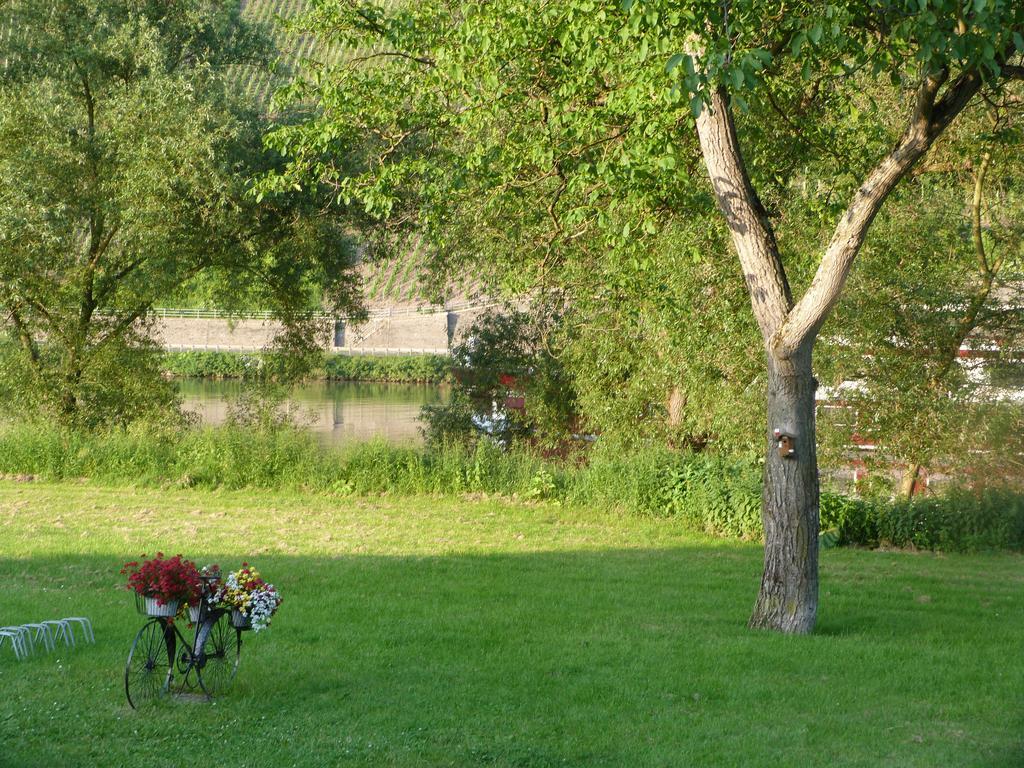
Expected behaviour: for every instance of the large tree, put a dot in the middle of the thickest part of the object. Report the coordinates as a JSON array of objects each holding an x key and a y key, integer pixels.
[
  {"x": 946, "y": 55},
  {"x": 124, "y": 167},
  {"x": 526, "y": 137}
]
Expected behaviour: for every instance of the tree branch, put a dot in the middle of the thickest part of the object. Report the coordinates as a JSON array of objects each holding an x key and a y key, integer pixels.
[
  {"x": 954, "y": 100},
  {"x": 976, "y": 210},
  {"x": 27, "y": 342},
  {"x": 122, "y": 325},
  {"x": 109, "y": 282},
  {"x": 752, "y": 232},
  {"x": 102, "y": 244},
  {"x": 930, "y": 117},
  {"x": 426, "y": 61}
]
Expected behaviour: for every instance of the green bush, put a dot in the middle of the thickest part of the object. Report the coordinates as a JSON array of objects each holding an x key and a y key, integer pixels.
[
  {"x": 633, "y": 481},
  {"x": 242, "y": 365},
  {"x": 846, "y": 520},
  {"x": 958, "y": 520},
  {"x": 504, "y": 353},
  {"x": 209, "y": 364},
  {"x": 399, "y": 368},
  {"x": 705, "y": 492},
  {"x": 717, "y": 496}
]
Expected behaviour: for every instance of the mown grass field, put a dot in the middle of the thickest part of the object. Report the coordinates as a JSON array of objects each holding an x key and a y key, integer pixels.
[{"x": 478, "y": 632}]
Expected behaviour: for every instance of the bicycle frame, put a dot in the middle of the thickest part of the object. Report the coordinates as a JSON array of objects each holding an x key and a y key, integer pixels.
[{"x": 208, "y": 653}]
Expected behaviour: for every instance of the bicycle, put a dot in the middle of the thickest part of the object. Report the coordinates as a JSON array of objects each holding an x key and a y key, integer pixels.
[{"x": 160, "y": 649}]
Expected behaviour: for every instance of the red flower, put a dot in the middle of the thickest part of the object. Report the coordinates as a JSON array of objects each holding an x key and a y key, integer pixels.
[{"x": 166, "y": 580}]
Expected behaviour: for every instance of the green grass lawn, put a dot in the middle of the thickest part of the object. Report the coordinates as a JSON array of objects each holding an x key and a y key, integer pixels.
[{"x": 438, "y": 632}]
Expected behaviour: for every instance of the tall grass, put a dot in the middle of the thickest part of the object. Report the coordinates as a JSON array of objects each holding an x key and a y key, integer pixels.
[
  {"x": 703, "y": 492},
  {"x": 243, "y": 457}
]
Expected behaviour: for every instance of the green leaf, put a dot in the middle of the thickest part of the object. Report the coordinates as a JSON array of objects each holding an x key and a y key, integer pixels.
[
  {"x": 798, "y": 43},
  {"x": 696, "y": 105},
  {"x": 674, "y": 62}
]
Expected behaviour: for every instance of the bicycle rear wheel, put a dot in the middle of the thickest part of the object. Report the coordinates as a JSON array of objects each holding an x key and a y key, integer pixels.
[
  {"x": 218, "y": 648},
  {"x": 147, "y": 673}
]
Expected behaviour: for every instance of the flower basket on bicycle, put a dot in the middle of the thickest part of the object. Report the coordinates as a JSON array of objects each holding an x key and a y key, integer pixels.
[
  {"x": 152, "y": 606},
  {"x": 251, "y": 600},
  {"x": 162, "y": 584}
]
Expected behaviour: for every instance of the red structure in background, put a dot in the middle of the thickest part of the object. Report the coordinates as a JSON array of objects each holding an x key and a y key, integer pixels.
[{"x": 513, "y": 402}]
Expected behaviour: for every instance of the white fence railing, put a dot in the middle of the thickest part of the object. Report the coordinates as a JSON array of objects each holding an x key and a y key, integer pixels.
[
  {"x": 376, "y": 351},
  {"x": 219, "y": 314}
]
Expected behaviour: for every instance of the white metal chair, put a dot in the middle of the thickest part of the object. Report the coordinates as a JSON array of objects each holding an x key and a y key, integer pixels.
[
  {"x": 41, "y": 632},
  {"x": 15, "y": 640},
  {"x": 86, "y": 627},
  {"x": 61, "y": 630},
  {"x": 24, "y": 638}
]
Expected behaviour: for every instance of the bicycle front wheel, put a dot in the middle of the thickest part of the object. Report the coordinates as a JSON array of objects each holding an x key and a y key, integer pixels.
[
  {"x": 218, "y": 647},
  {"x": 147, "y": 673}
]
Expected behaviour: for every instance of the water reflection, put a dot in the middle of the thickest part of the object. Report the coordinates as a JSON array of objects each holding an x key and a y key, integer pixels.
[{"x": 336, "y": 410}]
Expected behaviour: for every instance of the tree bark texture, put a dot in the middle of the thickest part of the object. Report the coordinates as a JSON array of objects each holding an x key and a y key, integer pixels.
[
  {"x": 752, "y": 232},
  {"x": 788, "y": 599}
]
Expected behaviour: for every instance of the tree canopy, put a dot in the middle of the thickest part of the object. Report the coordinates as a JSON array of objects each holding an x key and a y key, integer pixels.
[{"x": 124, "y": 167}]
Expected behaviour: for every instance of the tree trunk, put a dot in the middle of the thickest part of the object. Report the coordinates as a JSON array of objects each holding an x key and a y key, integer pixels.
[
  {"x": 69, "y": 404},
  {"x": 788, "y": 600},
  {"x": 909, "y": 481},
  {"x": 72, "y": 384}
]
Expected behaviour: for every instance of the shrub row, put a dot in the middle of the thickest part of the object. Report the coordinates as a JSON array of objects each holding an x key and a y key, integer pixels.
[
  {"x": 213, "y": 365},
  {"x": 704, "y": 492},
  {"x": 957, "y": 520},
  {"x": 240, "y": 365},
  {"x": 398, "y": 368}
]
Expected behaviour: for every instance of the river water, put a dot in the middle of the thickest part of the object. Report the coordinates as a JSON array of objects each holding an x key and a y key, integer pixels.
[{"x": 337, "y": 411}]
